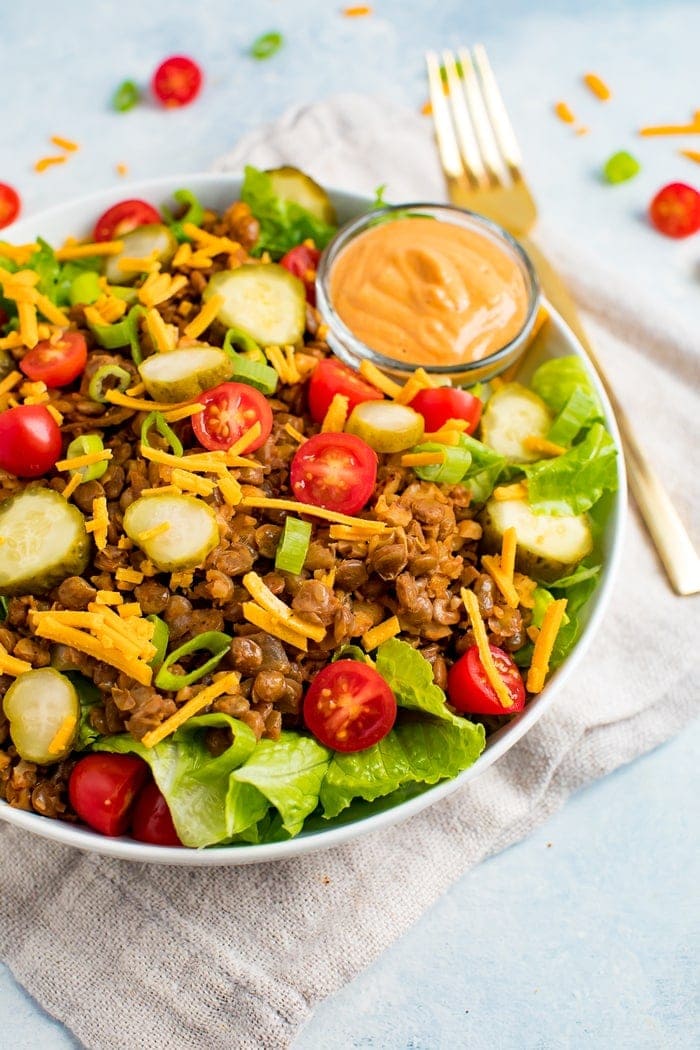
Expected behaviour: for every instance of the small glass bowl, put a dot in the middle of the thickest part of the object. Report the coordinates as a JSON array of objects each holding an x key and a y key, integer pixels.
[{"x": 346, "y": 345}]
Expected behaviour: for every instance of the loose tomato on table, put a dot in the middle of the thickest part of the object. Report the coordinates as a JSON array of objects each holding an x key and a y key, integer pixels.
[
  {"x": 302, "y": 261},
  {"x": 102, "y": 789},
  {"x": 331, "y": 377},
  {"x": 151, "y": 820},
  {"x": 349, "y": 706},
  {"x": 10, "y": 204},
  {"x": 56, "y": 362},
  {"x": 30, "y": 441},
  {"x": 469, "y": 690},
  {"x": 177, "y": 81},
  {"x": 675, "y": 210},
  {"x": 229, "y": 410},
  {"x": 124, "y": 217},
  {"x": 335, "y": 471},
  {"x": 443, "y": 403}
]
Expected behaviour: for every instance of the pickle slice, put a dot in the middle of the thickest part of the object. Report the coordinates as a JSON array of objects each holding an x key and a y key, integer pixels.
[
  {"x": 140, "y": 244},
  {"x": 549, "y": 546},
  {"x": 182, "y": 375},
  {"x": 192, "y": 530},
  {"x": 264, "y": 299},
  {"x": 290, "y": 184},
  {"x": 385, "y": 426},
  {"x": 512, "y": 414},
  {"x": 43, "y": 710},
  {"x": 43, "y": 541}
]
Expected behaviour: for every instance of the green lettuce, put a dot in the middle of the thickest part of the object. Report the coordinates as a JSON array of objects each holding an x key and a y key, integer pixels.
[
  {"x": 482, "y": 467},
  {"x": 557, "y": 379},
  {"x": 410, "y": 677},
  {"x": 283, "y": 224},
  {"x": 88, "y": 696},
  {"x": 573, "y": 482},
  {"x": 579, "y": 411},
  {"x": 55, "y": 278}
]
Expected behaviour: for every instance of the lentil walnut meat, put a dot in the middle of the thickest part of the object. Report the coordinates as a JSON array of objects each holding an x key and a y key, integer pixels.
[{"x": 414, "y": 569}]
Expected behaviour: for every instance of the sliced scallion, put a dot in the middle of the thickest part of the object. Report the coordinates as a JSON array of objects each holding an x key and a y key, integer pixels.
[
  {"x": 158, "y": 420},
  {"x": 214, "y": 642},
  {"x": 108, "y": 377},
  {"x": 266, "y": 45},
  {"x": 126, "y": 96},
  {"x": 85, "y": 288},
  {"x": 85, "y": 445},
  {"x": 159, "y": 638},
  {"x": 262, "y": 377},
  {"x": 451, "y": 471},
  {"x": 293, "y": 546},
  {"x": 238, "y": 338}
]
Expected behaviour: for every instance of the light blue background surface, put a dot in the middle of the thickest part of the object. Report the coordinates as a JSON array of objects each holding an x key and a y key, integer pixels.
[{"x": 591, "y": 941}]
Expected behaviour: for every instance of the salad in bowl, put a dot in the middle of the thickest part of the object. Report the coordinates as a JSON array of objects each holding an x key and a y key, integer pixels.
[{"x": 248, "y": 592}]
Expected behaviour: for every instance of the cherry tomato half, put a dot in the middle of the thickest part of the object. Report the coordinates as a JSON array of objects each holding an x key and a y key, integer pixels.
[
  {"x": 675, "y": 210},
  {"x": 470, "y": 691},
  {"x": 10, "y": 204},
  {"x": 56, "y": 362},
  {"x": 123, "y": 218},
  {"x": 446, "y": 402},
  {"x": 151, "y": 820},
  {"x": 229, "y": 410},
  {"x": 102, "y": 789},
  {"x": 331, "y": 377},
  {"x": 30, "y": 441},
  {"x": 302, "y": 261},
  {"x": 335, "y": 471},
  {"x": 349, "y": 706},
  {"x": 177, "y": 81}
]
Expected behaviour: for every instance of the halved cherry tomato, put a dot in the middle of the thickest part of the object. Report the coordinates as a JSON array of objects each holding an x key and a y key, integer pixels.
[
  {"x": 10, "y": 204},
  {"x": 30, "y": 441},
  {"x": 675, "y": 210},
  {"x": 349, "y": 706},
  {"x": 331, "y": 377},
  {"x": 102, "y": 789},
  {"x": 335, "y": 471},
  {"x": 229, "y": 410},
  {"x": 302, "y": 261},
  {"x": 177, "y": 81},
  {"x": 123, "y": 218},
  {"x": 445, "y": 402},
  {"x": 151, "y": 820},
  {"x": 56, "y": 362},
  {"x": 470, "y": 691}
]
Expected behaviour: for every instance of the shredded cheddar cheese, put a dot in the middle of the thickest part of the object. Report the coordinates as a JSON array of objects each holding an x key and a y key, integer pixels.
[
  {"x": 157, "y": 530},
  {"x": 204, "y": 318},
  {"x": 246, "y": 439},
  {"x": 262, "y": 594},
  {"x": 422, "y": 459},
  {"x": 599, "y": 88},
  {"x": 334, "y": 419},
  {"x": 10, "y": 382},
  {"x": 129, "y": 609},
  {"x": 226, "y": 683},
  {"x": 294, "y": 433},
  {"x": 186, "y": 481},
  {"x": 66, "y": 144},
  {"x": 108, "y": 598},
  {"x": 159, "y": 287},
  {"x": 182, "y": 579},
  {"x": 162, "y": 335},
  {"x": 230, "y": 490},
  {"x": 534, "y": 443},
  {"x": 691, "y": 154},
  {"x": 100, "y": 522},
  {"x": 381, "y": 633},
  {"x": 47, "y": 162},
  {"x": 263, "y": 502},
  {"x": 63, "y": 735},
  {"x": 564, "y": 113},
  {"x": 283, "y": 363},
  {"x": 129, "y": 575},
  {"x": 199, "y": 463},
  {"x": 409, "y": 390},
  {"x": 86, "y": 460},
  {"x": 542, "y": 653},
  {"x": 86, "y": 251},
  {"x": 494, "y": 568},
  {"x": 52, "y": 627},
  {"x": 471, "y": 604},
  {"x": 378, "y": 379},
  {"x": 508, "y": 550},
  {"x": 130, "y": 264},
  {"x": 263, "y": 619},
  {"x": 503, "y": 493},
  {"x": 674, "y": 129},
  {"x": 12, "y": 665},
  {"x": 359, "y": 11},
  {"x": 72, "y": 485}
]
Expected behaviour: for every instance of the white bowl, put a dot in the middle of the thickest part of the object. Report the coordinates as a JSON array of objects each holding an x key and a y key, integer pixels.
[{"x": 217, "y": 191}]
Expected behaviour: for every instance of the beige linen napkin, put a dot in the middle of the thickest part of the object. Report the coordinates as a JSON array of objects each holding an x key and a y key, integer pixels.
[{"x": 135, "y": 956}]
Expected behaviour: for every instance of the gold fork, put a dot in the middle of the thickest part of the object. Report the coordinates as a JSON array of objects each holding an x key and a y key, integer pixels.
[{"x": 482, "y": 164}]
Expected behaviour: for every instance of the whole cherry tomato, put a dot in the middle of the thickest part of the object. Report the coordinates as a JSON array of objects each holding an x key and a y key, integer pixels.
[
  {"x": 177, "y": 81},
  {"x": 30, "y": 441},
  {"x": 675, "y": 210}
]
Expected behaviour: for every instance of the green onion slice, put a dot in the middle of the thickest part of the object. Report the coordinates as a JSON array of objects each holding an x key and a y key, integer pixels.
[
  {"x": 266, "y": 45},
  {"x": 214, "y": 642},
  {"x": 237, "y": 337},
  {"x": 457, "y": 463},
  {"x": 108, "y": 377},
  {"x": 293, "y": 546},
  {"x": 262, "y": 377},
  {"x": 126, "y": 96},
  {"x": 85, "y": 288},
  {"x": 160, "y": 638},
  {"x": 84, "y": 446},
  {"x": 158, "y": 420},
  {"x": 123, "y": 333}
]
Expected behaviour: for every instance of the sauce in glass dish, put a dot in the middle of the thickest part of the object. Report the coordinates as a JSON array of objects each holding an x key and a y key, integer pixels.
[{"x": 429, "y": 292}]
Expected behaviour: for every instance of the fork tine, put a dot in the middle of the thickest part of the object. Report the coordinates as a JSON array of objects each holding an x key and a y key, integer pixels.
[
  {"x": 469, "y": 147},
  {"x": 481, "y": 120},
  {"x": 500, "y": 121},
  {"x": 447, "y": 143}
]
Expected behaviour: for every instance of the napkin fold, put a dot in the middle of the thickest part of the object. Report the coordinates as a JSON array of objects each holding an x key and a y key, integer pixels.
[{"x": 134, "y": 955}]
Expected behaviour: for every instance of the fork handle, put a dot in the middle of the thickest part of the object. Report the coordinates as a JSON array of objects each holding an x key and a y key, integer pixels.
[{"x": 672, "y": 542}]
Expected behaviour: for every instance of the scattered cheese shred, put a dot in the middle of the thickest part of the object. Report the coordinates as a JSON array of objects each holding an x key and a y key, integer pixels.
[
  {"x": 447, "y": 436},
  {"x": 349, "y": 532},
  {"x": 551, "y": 622},
  {"x": 599, "y": 88},
  {"x": 72, "y": 485},
  {"x": 230, "y": 490},
  {"x": 162, "y": 490},
  {"x": 162, "y": 335},
  {"x": 10, "y": 382},
  {"x": 691, "y": 154},
  {"x": 205, "y": 317},
  {"x": 48, "y": 625},
  {"x": 674, "y": 129},
  {"x": 108, "y": 598},
  {"x": 493, "y": 566},
  {"x": 359, "y": 11},
  {"x": 378, "y": 379},
  {"x": 534, "y": 443},
  {"x": 471, "y": 604},
  {"x": 285, "y": 369},
  {"x": 27, "y": 323},
  {"x": 409, "y": 390},
  {"x": 176, "y": 414},
  {"x": 66, "y": 144},
  {"x": 129, "y": 609},
  {"x": 130, "y": 264},
  {"x": 86, "y": 460},
  {"x": 136, "y": 390},
  {"x": 51, "y": 312},
  {"x": 263, "y": 502},
  {"x": 63, "y": 735},
  {"x": 159, "y": 287},
  {"x": 86, "y": 251},
  {"x": 518, "y": 490},
  {"x": 262, "y": 594},
  {"x": 150, "y": 534},
  {"x": 381, "y": 633},
  {"x": 227, "y": 683},
  {"x": 295, "y": 434},
  {"x": 47, "y": 162},
  {"x": 181, "y": 579},
  {"x": 121, "y": 169},
  {"x": 334, "y": 419},
  {"x": 267, "y": 622},
  {"x": 564, "y": 113},
  {"x": 508, "y": 550},
  {"x": 100, "y": 521},
  {"x": 11, "y": 664},
  {"x": 129, "y": 575},
  {"x": 246, "y": 439},
  {"x": 200, "y": 463},
  {"x": 186, "y": 481},
  {"x": 422, "y": 459}
]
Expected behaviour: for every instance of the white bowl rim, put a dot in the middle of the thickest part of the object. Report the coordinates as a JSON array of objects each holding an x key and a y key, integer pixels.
[{"x": 498, "y": 744}]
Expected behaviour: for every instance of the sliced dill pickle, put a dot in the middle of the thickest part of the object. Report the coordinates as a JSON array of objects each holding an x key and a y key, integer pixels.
[
  {"x": 512, "y": 414},
  {"x": 43, "y": 710},
  {"x": 385, "y": 426},
  {"x": 182, "y": 375},
  {"x": 141, "y": 243},
  {"x": 191, "y": 530},
  {"x": 290, "y": 184},
  {"x": 264, "y": 299},
  {"x": 548, "y": 547},
  {"x": 43, "y": 541}
]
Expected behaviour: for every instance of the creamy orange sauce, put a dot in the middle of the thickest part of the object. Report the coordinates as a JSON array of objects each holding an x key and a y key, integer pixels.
[{"x": 429, "y": 292}]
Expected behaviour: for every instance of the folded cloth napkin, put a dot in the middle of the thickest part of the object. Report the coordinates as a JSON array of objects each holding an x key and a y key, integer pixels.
[{"x": 131, "y": 955}]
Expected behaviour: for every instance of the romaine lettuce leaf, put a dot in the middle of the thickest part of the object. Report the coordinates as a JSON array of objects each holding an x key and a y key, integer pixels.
[
  {"x": 573, "y": 482},
  {"x": 579, "y": 411},
  {"x": 410, "y": 678},
  {"x": 485, "y": 468},
  {"x": 283, "y": 224},
  {"x": 557, "y": 379}
]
